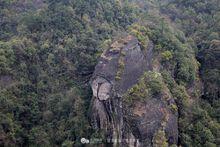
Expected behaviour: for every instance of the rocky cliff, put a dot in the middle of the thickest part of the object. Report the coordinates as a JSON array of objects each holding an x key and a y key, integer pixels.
[{"x": 131, "y": 105}]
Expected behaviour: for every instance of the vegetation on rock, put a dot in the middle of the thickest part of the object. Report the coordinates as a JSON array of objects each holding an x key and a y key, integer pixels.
[
  {"x": 149, "y": 85},
  {"x": 49, "y": 49}
]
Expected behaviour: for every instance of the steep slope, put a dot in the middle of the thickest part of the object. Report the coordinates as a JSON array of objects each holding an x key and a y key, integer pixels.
[
  {"x": 130, "y": 100},
  {"x": 48, "y": 50},
  {"x": 140, "y": 59},
  {"x": 199, "y": 20}
]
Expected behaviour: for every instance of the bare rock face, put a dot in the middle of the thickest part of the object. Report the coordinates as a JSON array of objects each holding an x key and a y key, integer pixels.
[
  {"x": 119, "y": 69},
  {"x": 101, "y": 88}
]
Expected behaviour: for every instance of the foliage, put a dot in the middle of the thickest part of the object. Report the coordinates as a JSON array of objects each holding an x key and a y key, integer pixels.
[
  {"x": 149, "y": 85},
  {"x": 200, "y": 22},
  {"x": 159, "y": 139},
  {"x": 141, "y": 33},
  {"x": 48, "y": 51},
  {"x": 166, "y": 55},
  {"x": 121, "y": 65}
]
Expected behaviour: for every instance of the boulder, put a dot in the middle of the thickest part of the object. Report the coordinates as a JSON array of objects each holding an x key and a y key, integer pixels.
[{"x": 119, "y": 69}]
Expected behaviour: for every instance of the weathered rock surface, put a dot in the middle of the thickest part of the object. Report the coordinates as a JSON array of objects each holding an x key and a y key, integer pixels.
[{"x": 118, "y": 70}]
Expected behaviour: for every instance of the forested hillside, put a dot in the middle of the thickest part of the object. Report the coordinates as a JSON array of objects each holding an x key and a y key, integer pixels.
[
  {"x": 200, "y": 21},
  {"x": 49, "y": 50}
]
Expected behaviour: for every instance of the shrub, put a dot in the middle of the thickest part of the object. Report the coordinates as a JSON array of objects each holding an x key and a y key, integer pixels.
[
  {"x": 166, "y": 55},
  {"x": 159, "y": 139},
  {"x": 141, "y": 33},
  {"x": 149, "y": 85}
]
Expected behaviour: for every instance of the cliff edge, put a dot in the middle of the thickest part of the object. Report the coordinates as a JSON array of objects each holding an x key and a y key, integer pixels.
[{"x": 131, "y": 105}]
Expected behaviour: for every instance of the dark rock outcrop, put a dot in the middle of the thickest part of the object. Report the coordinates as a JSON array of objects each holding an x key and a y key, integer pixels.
[{"x": 118, "y": 70}]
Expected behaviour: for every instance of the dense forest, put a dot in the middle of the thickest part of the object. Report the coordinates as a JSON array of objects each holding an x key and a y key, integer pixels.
[{"x": 49, "y": 50}]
